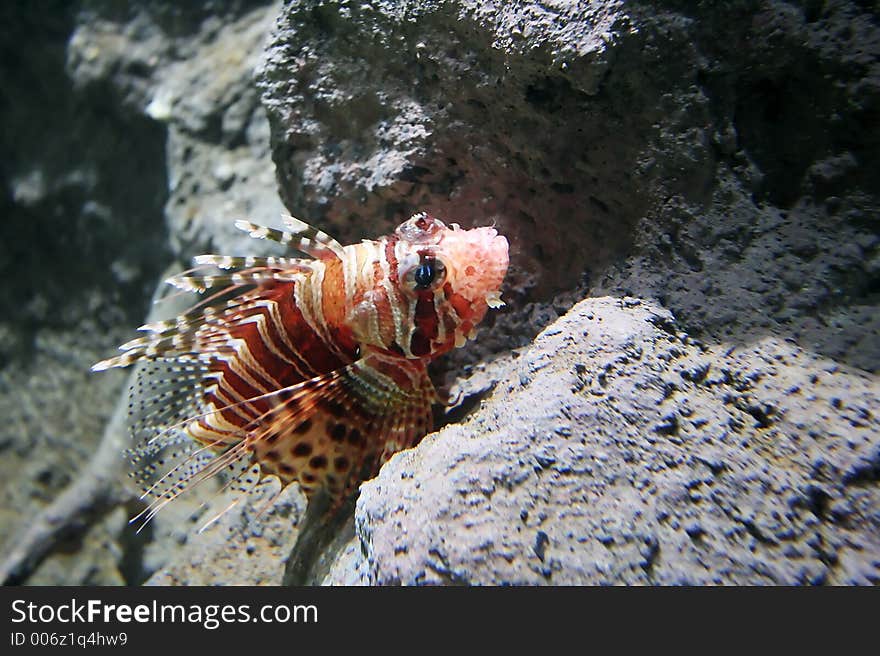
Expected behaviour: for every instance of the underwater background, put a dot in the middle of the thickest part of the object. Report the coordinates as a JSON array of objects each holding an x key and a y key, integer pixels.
[{"x": 683, "y": 387}]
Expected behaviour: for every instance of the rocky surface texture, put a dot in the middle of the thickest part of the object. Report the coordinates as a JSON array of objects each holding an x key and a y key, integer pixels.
[
  {"x": 617, "y": 449},
  {"x": 705, "y": 174}
]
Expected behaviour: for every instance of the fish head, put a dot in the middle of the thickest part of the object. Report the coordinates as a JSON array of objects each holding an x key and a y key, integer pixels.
[{"x": 451, "y": 277}]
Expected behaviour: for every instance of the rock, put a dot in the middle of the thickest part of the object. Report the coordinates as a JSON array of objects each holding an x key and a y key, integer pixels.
[
  {"x": 729, "y": 498},
  {"x": 81, "y": 245},
  {"x": 190, "y": 70},
  {"x": 475, "y": 112},
  {"x": 241, "y": 549}
]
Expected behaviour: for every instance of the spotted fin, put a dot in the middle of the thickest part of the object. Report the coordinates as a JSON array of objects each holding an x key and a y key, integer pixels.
[
  {"x": 335, "y": 430},
  {"x": 329, "y": 432},
  {"x": 165, "y": 460}
]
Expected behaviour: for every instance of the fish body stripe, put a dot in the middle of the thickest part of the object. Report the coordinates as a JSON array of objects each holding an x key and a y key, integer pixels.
[
  {"x": 256, "y": 367},
  {"x": 402, "y": 306}
]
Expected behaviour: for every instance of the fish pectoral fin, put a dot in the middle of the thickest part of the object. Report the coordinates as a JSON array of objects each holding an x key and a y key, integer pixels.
[
  {"x": 398, "y": 393},
  {"x": 336, "y": 429},
  {"x": 328, "y": 432}
]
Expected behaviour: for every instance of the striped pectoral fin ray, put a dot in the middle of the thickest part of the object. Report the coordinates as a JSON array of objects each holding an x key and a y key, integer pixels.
[
  {"x": 299, "y": 236},
  {"x": 400, "y": 395},
  {"x": 227, "y": 262},
  {"x": 197, "y": 335},
  {"x": 247, "y": 277},
  {"x": 186, "y": 469},
  {"x": 334, "y": 429}
]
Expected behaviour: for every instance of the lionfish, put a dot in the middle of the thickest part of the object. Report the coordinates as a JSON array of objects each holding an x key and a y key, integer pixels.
[{"x": 313, "y": 370}]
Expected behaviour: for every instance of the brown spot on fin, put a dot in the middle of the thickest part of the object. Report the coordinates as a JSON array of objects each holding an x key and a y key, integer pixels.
[{"x": 334, "y": 430}]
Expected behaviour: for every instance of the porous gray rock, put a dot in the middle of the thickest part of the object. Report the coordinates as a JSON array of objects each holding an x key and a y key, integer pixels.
[
  {"x": 617, "y": 449},
  {"x": 190, "y": 70},
  {"x": 603, "y": 139},
  {"x": 474, "y": 112}
]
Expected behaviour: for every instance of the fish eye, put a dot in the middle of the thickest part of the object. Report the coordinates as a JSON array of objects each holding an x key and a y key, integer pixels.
[
  {"x": 429, "y": 273},
  {"x": 424, "y": 275}
]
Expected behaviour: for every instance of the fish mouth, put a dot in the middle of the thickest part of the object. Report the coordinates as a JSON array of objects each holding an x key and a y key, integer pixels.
[
  {"x": 477, "y": 261},
  {"x": 495, "y": 260}
]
